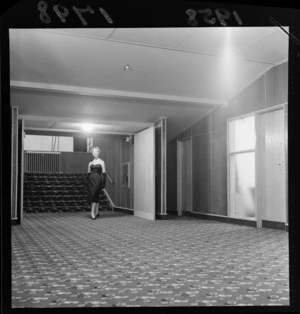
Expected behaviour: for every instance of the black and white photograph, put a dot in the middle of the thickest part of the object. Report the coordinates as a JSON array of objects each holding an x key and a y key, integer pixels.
[{"x": 149, "y": 165}]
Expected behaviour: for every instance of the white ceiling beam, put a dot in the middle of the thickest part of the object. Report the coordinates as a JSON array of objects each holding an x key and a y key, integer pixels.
[
  {"x": 87, "y": 91},
  {"x": 80, "y": 120},
  {"x": 76, "y": 131}
]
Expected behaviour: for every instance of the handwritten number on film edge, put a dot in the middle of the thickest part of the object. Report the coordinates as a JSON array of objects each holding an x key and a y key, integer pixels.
[
  {"x": 62, "y": 12},
  {"x": 80, "y": 11},
  {"x": 44, "y": 17},
  {"x": 221, "y": 14},
  {"x": 207, "y": 14}
]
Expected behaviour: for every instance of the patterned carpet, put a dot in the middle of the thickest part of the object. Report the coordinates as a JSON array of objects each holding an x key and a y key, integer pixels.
[{"x": 118, "y": 260}]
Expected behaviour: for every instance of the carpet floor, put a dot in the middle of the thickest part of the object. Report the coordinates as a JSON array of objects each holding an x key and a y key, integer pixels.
[{"x": 118, "y": 260}]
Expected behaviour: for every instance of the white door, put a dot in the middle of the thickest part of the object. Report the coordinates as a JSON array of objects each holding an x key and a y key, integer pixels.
[
  {"x": 144, "y": 174},
  {"x": 271, "y": 166}
]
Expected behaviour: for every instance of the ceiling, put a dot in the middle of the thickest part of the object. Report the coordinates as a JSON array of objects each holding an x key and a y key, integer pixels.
[{"x": 62, "y": 77}]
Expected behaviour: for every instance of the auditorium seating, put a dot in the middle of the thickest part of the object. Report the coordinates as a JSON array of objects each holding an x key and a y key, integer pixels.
[{"x": 57, "y": 192}]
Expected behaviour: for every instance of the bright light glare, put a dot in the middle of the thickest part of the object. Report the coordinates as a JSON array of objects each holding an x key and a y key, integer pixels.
[
  {"x": 228, "y": 66},
  {"x": 87, "y": 127}
]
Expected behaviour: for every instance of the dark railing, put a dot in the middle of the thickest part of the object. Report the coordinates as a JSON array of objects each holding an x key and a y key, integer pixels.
[
  {"x": 42, "y": 162},
  {"x": 109, "y": 178}
]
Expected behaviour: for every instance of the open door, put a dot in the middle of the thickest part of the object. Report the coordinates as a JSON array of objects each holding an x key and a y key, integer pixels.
[
  {"x": 144, "y": 174},
  {"x": 17, "y": 157},
  {"x": 271, "y": 174}
]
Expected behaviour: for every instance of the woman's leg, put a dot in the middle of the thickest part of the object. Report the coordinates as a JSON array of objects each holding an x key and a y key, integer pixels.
[
  {"x": 93, "y": 205},
  {"x": 97, "y": 209}
]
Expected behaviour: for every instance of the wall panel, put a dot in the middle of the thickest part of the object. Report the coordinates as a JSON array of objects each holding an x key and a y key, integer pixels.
[
  {"x": 203, "y": 126},
  {"x": 75, "y": 161},
  {"x": 172, "y": 175},
  {"x": 251, "y": 98},
  {"x": 210, "y": 149},
  {"x": 202, "y": 173},
  {"x": 277, "y": 85},
  {"x": 219, "y": 173}
]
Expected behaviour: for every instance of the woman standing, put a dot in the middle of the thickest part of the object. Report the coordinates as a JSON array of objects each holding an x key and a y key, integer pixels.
[{"x": 96, "y": 181}]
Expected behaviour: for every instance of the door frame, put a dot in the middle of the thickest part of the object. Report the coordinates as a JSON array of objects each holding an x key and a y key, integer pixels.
[
  {"x": 162, "y": 123},
  {"x": 258, "y": 215},
  {"x": 179, "y": 173}
]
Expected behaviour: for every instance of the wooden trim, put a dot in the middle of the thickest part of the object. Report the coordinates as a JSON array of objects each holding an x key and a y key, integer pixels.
[
  {"x": 273, "y": 108},
  {"x": 244, "y": 222},
  {"x": 273, "y": 224},
  {"x": 172, "y": 212},
  {"x": 124, "y": 210}
]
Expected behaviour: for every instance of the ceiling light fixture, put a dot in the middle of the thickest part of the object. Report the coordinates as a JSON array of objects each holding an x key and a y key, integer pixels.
[
  {"x": 87, "y": 127},
  {"x": 127, "y": 67}
]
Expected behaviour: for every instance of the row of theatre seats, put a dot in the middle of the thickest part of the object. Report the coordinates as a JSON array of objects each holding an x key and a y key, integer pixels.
[{"x": 57, "y": 192}]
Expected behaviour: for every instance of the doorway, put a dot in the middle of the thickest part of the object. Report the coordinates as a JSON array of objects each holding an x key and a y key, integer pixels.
[
  {"x": 184, "y": 177},
  {"x": 257, "y": 166}
]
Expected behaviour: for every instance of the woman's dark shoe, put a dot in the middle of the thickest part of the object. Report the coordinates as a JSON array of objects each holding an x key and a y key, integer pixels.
[{"x": 97, "y": 215}]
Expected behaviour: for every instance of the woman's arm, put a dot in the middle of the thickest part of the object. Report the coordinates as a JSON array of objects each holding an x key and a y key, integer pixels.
[
  {"x": 89, "y": 167},
  {"x": 103, "y": 166}
]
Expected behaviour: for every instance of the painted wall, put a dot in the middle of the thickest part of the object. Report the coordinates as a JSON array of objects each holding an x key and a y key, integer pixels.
[{"x": 209, "y": 142}]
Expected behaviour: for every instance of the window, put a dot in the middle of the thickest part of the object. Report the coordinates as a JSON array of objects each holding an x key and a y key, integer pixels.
[{"x": 242, "y": 167}]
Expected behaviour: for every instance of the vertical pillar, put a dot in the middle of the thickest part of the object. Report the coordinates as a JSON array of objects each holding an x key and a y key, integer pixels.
[
  {"x": 161, "y": 166},
  {"x": 20, "y": 170},
  {"x": 14, "y": 164},
  {"x": 164, "y": 166}
]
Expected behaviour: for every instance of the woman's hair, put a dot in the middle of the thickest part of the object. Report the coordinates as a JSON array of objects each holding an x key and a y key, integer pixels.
[{"x": 96, "y": 148}]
